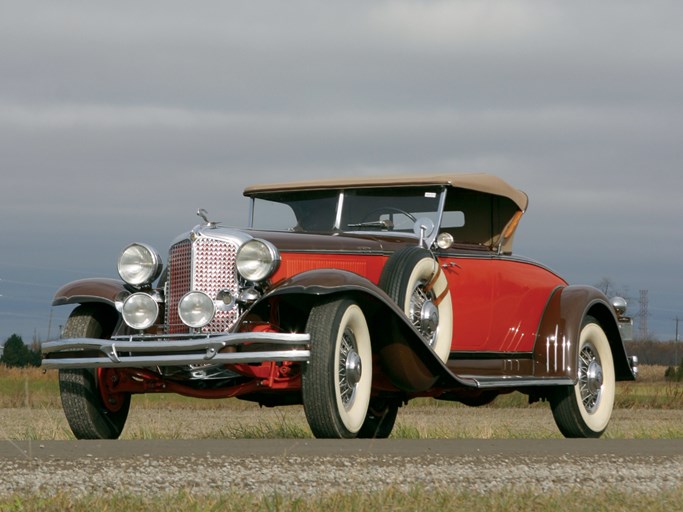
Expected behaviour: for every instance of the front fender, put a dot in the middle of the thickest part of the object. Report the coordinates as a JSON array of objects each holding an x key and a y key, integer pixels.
[
  {"x": 89, "y": 290},
  {"x": 555, "y": 351},
  {"x": 406, "y": 359}
]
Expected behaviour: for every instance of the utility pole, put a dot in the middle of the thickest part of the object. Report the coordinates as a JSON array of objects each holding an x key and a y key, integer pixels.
[
  {"x": 676, "y": 345},
  {"x": 49, "y": 325},
  {"x": 642, "y": 315}
]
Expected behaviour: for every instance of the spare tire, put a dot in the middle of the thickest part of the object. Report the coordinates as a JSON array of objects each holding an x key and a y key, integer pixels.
[{"x": 414, "y": 279}]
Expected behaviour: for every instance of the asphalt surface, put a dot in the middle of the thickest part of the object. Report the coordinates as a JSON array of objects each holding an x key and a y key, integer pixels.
[{"x": 71, "y": 450}]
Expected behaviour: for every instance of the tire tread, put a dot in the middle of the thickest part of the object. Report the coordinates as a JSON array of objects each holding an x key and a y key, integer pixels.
[{"x": 79, "y": 390}]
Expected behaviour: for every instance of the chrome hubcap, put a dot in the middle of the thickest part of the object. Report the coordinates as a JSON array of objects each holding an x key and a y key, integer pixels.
[
  {"x": 429, "y": 317},
  {"x": 594, "y": 374},
  {"x": 590, "y": 378},
  {"x": 350, "y": 369},
  {"x": 353, "y": 368},
  {"x": 424, "y": 314}
]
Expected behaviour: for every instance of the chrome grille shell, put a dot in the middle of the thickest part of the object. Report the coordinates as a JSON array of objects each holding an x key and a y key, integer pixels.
[{"x": 203, "y": 260}]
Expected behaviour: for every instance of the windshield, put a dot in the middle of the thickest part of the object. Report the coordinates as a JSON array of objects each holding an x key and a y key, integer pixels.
[{"x": 368, "y": 209}]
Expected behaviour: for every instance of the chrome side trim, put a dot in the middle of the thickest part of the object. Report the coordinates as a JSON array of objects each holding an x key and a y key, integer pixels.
[
  {"x": 516, "y": 382},
  {"x": 552, "y": 346},
  {"x": 556, "y": 343}
]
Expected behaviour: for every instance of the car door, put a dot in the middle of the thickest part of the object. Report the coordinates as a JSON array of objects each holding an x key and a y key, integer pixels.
[{"x": 497, "y": 302}]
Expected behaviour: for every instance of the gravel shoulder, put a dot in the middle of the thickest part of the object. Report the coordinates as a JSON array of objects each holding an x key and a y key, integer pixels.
[
  {"x": 314, "y": 467},
  {"x": 206, "y": 451}
]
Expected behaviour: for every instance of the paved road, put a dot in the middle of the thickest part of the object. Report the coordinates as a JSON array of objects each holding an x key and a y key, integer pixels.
[
  {"x": 241, "y": 448},
  {"x": 309, "y": 467}
]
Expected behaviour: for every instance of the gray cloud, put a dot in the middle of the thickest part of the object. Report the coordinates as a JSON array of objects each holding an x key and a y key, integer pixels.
[{"x": 118, "y": 120}]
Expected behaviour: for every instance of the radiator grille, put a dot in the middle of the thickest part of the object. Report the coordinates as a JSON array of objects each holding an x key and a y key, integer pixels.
[
  {"x": 179, "y": 282},
  {"x": 206, "y": 265}
]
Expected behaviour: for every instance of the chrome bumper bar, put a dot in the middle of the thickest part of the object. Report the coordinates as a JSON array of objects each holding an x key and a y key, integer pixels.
[
  {"x": 149, "y": 351},
  {"x": 633, "y": 363}
]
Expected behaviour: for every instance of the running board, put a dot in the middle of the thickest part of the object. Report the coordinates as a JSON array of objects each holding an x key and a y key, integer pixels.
[{"x": 485, "y": 382}]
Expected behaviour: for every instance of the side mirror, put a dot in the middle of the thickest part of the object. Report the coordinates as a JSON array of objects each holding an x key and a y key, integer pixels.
[{"x": 423, "y": 227}]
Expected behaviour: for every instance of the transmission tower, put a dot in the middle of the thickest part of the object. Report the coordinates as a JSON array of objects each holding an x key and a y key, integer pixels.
[{"x": 642, "y": 315}]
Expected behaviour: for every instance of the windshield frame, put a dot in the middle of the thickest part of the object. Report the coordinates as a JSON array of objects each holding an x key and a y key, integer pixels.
[{"x": 342, "y": 202}]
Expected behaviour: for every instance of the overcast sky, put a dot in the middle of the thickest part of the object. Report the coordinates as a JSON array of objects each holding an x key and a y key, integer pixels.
[{"x": 118, "y": 120}]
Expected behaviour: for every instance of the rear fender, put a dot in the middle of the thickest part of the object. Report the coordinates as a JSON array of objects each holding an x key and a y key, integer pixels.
[
  {"x": 555, "y": 351},
  {"x": 404, "y": 356}
]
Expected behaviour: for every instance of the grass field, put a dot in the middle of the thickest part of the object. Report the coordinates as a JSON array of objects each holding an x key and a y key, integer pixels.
[{"x": 395, "y": 501}]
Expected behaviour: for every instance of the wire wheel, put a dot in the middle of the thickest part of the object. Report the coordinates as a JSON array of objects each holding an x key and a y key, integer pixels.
[
  {"x": 590, "y": 378},
  {"x": 349, "y": 368},
  {"x": 584, "y": 409},
  {"x": 423, "y": 312},
  {"x": 337, "y": 380}
]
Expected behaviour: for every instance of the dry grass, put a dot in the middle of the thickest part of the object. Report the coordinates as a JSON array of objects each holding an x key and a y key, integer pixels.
[
  {"x": 30, "y": 409},
  {"x": 414, "y": 422},
  {"x": 399, "y": 501}
]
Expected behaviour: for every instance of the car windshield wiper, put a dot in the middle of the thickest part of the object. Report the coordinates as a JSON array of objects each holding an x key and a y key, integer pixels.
[{"x": 382, "y": 224}]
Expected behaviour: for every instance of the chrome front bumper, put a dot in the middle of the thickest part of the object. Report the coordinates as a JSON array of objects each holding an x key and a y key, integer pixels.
[{"x": 150, "y": 351}]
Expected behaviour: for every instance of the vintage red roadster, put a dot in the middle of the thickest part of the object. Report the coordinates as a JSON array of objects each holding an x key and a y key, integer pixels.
[{"x": 351, "y": 297}]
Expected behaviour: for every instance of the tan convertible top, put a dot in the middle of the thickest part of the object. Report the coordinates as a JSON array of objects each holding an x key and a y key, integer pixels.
[{"x": 480, "y": 182}]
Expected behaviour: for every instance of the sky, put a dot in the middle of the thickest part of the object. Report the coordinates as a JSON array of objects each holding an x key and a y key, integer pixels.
[{"x": 118, "y": 120}]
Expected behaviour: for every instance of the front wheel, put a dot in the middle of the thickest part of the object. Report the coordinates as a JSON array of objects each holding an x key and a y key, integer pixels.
[
  {"x": 91, "y": 411},
  {"x": 337, "y": 380},
  {"x": 584, "y": 410}
]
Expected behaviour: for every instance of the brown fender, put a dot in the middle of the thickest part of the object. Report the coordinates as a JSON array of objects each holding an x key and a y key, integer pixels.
[
  {"x": 406, "y": 359},
  {"x": 555, "y": 351},
  {"x": 89, "y": 290}
]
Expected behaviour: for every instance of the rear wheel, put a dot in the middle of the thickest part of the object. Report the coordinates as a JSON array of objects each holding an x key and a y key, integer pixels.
[
  {"x": 338, "y": 377},
  {"x": 90, "y": 409},
  {"x": 584, "y": 410},
  {"x": 414, "y": 280}
]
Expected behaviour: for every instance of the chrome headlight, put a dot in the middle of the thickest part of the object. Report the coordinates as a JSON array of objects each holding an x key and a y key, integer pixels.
[
  {"x": 619, "y": 304},
  {"x": 196, "y": 309},
  {"x": 444, "y": 240},
  {"x": 257, "y": 260},
  {"x": 140, "y": 311},
  {"x": 139, "y": 264}
]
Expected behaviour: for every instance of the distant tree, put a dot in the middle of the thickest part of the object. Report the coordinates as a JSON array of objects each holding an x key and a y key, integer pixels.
[
  {"x": 674, "y": 373},
  {"x": 652, "y": 351},
  {"x": 607, "y": 286},
  {"x": 17, "y": 353}
]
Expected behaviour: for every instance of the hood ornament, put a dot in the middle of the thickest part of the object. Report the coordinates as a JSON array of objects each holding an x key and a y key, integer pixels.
[{"x": 205, "y": 216}]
